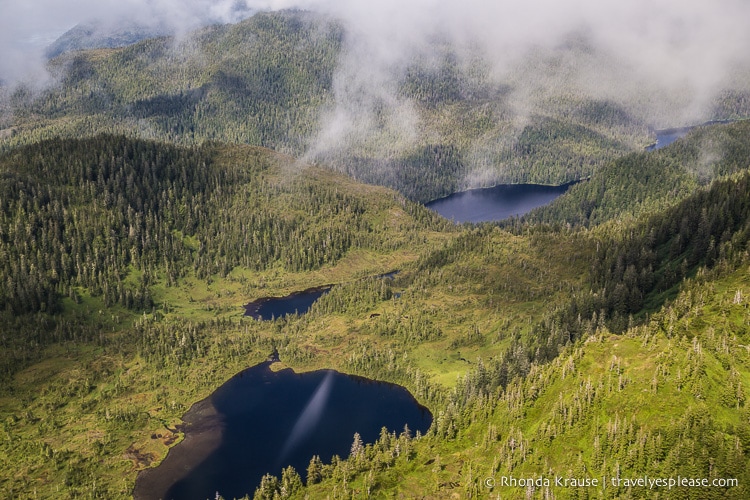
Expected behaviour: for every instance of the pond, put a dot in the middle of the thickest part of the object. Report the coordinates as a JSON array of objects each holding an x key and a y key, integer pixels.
[
  {"x": 495, "y": 203},
  {"x": 295, "y": 303},
  {"x": 667, "y": 136},
  {"x": 261, "y": 421},
  {"x": 267, "y": 308}
]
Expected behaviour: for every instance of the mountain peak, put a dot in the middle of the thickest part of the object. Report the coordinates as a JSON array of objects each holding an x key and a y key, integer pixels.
[{"x": 96, "y": 34}]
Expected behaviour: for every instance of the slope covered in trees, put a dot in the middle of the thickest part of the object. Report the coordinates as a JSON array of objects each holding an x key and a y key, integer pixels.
[
  {"x": 604, "y": 337},
  {"x": 568, "y": 398},
  {"x": 270, "y": 81},
  {"x": 666, "y": 400},
  {"x": 109, "y": 217},
  {"x": 506, "y": 336},
  {"x": 648, "y": 181}
]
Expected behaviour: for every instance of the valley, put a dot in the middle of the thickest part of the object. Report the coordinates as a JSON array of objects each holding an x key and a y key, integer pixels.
[{"x": 163, "y": 205}]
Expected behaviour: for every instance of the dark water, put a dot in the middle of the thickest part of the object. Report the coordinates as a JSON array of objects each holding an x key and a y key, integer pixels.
[
  {"x": 388, "y": 276},
  {"x": 296, "y": 303},
  {"x": 495, "y": 203},
  {"x": 261, "y": 421},
  {"x": 666, "y": 137},
  {"x": 274, "y": 307}
]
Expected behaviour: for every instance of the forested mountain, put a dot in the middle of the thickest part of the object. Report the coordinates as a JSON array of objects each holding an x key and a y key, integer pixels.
[
  {"x": 271, "y": 81},
  {"x": 603, "y": 337},
  {"x": 98, "y": 35},
  {"x": 258, "y": 82},
  {"x": 126, "y": 262},
  {"x": 646, "y": 181}
]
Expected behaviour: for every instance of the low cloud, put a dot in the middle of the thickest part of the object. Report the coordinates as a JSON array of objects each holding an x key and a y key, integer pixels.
[
  {"x": 665, "y": 62},
  {"x": 28, "y": 28},
  {"x": 671, "y": 56}
]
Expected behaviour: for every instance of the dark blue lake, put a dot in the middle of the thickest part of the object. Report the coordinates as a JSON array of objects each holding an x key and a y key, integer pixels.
[
  {"x": 261, "y": 421},
  {"x": 267, "y": 308},
  {"x": 495, "y": 203},
  {"x": 275, "y": 307}
]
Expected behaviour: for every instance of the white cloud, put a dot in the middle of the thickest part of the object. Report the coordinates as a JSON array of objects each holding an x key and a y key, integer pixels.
[
  {"x": 28, "y": 27},
  {"x": 671, "y": 45}
]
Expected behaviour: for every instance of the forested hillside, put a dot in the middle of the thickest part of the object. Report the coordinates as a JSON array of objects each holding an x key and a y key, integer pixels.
[
  {"x": 97, "y": 35},
  {"x": 650, "y": 181},
  {"x": 666, "y": 400},
  {"x": 270, "y": 81},
  {"x": 126, "y": 264},
  {"x": 569, "y": 398},
  {"x": 110, "y": 217},
  {"x": 156, "y": 189}
]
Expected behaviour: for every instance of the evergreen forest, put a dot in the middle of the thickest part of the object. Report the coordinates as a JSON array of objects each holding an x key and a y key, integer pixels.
[{"x": 158, "y": 187}]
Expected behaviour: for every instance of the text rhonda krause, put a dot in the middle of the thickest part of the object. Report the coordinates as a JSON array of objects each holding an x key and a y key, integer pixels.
[{"x": 615, "y": 482}]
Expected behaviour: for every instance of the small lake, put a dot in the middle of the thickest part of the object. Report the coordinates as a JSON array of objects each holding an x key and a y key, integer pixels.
[
  {"x": 267, "y": 308},
  {"x": 295, "y": 303},
  {"x": 261, "y": 421},
  {"x": 667, "y": 136},
  {"x": 495, "y": 203}
]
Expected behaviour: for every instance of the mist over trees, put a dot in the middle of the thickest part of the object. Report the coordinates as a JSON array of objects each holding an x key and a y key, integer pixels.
[
  {"x": 147, "y": 192},
  {"x": 444, "y": 113}
]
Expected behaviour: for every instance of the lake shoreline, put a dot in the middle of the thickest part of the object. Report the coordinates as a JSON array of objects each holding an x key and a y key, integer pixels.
[
  {"x": 497, "y": 203},
  {"x": 207, "y": 426},
  {"x": 201, "y": 431},
  {"x": 253, "y": 308},
  {"x": 467, "y": 190},
  {"x": 675, "y": 133}
]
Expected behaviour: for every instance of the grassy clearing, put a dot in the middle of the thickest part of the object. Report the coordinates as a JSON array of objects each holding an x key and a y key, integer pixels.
[
  {"x": 104, "y": 411},
  {"x": 86, "y": 415}
]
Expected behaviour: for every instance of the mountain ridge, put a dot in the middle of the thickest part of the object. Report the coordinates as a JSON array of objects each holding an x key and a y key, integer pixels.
[
  {"x": 500, "y": 311},
  {"x": 159, "y": 187}
]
